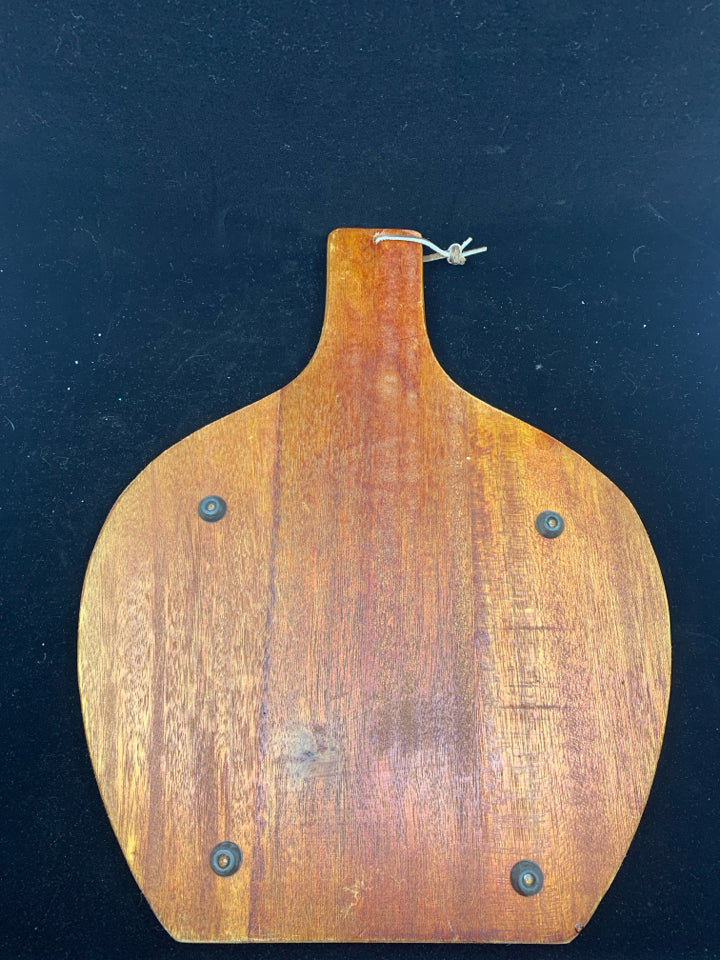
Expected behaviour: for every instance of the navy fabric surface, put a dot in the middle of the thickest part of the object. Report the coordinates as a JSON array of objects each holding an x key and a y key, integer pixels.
[{"x": 169, "y": 172}]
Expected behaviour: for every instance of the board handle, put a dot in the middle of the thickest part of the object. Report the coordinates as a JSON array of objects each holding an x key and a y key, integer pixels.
[{"x": 375, "y": 308}]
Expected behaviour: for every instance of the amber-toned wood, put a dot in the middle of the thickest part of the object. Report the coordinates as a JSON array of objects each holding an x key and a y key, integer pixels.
[{"x": 373, "y": 674}]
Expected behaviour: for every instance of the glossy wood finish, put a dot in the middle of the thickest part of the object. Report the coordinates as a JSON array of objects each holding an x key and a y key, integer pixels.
[{"x": 373, "y": 674}]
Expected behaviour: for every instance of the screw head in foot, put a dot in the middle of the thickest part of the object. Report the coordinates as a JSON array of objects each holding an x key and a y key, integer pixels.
[
  {"x": 212, "y": 508},
  {"x": 550, "y": 524},
  {"x": 226, "y": 858},
  {"x": 527, "y": 878}
]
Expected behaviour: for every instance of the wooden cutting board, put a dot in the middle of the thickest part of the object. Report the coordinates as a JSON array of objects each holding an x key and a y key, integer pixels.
[{"x": 339, "y": 630}]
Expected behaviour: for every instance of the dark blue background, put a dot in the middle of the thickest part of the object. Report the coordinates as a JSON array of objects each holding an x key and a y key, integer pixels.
[{"x": 169, "y": 172}]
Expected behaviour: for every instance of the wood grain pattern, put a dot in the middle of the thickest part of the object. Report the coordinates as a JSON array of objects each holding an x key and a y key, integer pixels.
[{"x": 373, "y": 674}]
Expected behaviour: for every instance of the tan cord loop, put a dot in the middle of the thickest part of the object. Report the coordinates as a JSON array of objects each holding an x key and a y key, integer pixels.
[{"x": 455, "y": 253}]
